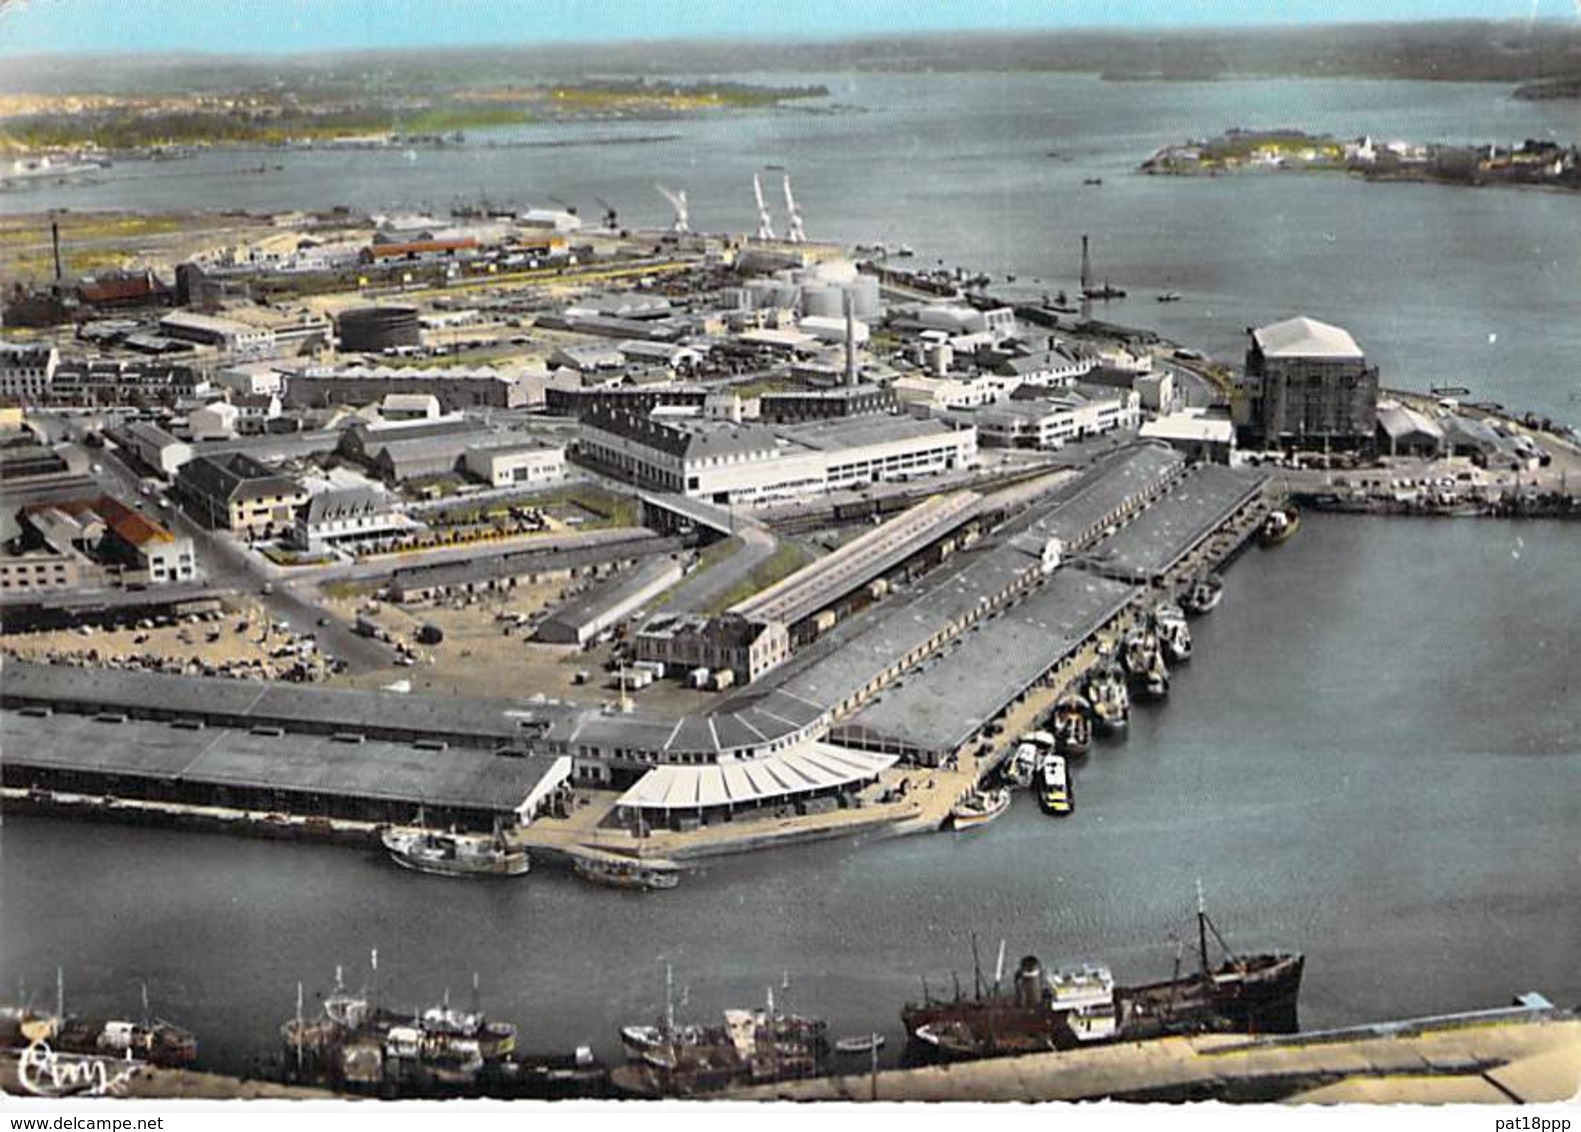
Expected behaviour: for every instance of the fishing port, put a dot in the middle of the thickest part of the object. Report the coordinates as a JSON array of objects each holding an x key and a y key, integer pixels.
[{"x": 681, "y": 619}]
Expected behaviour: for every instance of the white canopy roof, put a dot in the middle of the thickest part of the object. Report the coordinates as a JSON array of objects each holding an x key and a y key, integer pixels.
[{"x": 803, "y": 770}]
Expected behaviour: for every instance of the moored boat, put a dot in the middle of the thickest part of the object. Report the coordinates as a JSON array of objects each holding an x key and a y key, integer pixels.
[
  {"x": 448, "y": 853},
  {"x": 1054, "y": 787},
  {"x": 1203, "y": 595},
  {"x": 1108, "y": 698},
  {"x": 1072, "y": 727},
  {"x": 861, "y": 1043},
  {"x": 1280, "y": 525},
  {"x": 979, "y": 808},
  {"x": 1022, "y": 764},
  {"x": 1084, "y": 1006},
  {"x": 640, "y": 876},
  {"x": 1174, "y": 635}
]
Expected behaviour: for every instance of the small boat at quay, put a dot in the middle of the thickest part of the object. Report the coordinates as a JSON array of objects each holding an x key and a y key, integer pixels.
[
  {"x": 1280, "y": 525},
  {"x": 1054, "y": 789},
  {"x": 1174, "y": 636},
  {"x": 1072, "y": 727},
  {"x": 862, "y": 1043},
  {"x": 1203, "y": 595},
  {"x": 979, "y": 808},
  {"x": 635, "y": 876},
  {"x": 1108, "y": 698}
]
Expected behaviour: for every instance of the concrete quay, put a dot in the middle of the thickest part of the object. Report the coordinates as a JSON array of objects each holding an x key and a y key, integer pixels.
[{"x": 1515, "y": 1056}]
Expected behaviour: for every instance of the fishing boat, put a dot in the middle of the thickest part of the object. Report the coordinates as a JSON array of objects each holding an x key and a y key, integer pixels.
[
  {"x": 1203, "y": 595},
  {"x": 1169, "y": 297},
  {"x": 1072, "y": 727},
  {"x": 1174, "y": 636},
  {"x": 1083, "y": 1005},
  {"x": 861, "y": 1043},
  {"x": 1107, "y": 698},
  {"x": 638, "y": 876},
  {"x": 979, "y": 808},
  {"x": 448, "y": 853},
  {"x": 1020, "y": 766},
  {"x": 1054, "y": 789},
  {"x": 1280, "y": 525},
  {"x": 149, "y": 1039}
]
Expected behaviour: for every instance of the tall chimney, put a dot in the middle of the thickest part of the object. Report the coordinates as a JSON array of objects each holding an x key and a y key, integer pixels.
[
  {"x": 850, "y": 338},
  {"x": 54, "y": 236}
]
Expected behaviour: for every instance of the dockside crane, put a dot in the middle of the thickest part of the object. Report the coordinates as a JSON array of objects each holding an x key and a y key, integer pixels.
[
  {"x": 797, "y": 234},
  {"x": 682, "y": 225},
  {"x": 611, "y": 217},
  {"x": 765, "y": 224},
  {"x": 570, "y": 208}
]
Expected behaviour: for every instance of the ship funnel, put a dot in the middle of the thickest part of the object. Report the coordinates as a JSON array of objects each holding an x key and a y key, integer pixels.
[{"x": 1029, "y": 983}]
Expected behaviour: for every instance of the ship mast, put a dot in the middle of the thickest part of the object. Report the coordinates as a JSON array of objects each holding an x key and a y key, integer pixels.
[
  {"x": 1202, "y": 928},
  {"x": 669, "y": 999},
  {"x": 60, "y": 995},
  {"x": 298, "y": 1033}
]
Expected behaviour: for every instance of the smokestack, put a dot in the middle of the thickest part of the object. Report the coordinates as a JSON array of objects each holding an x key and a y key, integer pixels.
[
  {"x": 54, "y": 236},
  {"x": 1086, "y": 266},
  {"x": 850, "y": 338}
]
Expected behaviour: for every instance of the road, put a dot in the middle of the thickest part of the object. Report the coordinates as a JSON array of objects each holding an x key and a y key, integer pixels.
[{"x": 702, "y": 587}]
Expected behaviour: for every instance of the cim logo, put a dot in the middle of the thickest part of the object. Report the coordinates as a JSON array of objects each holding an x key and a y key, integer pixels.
[{"x": 45, "y": 1073}]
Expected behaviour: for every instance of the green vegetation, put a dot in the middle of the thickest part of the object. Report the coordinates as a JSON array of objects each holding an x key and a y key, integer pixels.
[{"x": 787, "y": 558}]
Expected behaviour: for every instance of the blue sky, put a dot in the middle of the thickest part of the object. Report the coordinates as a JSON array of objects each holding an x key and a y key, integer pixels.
[{"x": 252, "y": 26}]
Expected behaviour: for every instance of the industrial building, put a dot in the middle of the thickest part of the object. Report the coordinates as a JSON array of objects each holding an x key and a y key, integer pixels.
[
  {"x": 343, "y": 775},
  {"x": 1198, "y": 434},
  {"x": 1053, "y": 422},
  {"x": 405, "y": 450},
  {"x": 225, "y": 334},
  {"x": 321, "y": 386},
  {"x": 1307, "y": 384},
  {"x": 373, "y": 330},
  {"x": 608, "y": 602},
  {"x": 516, "y": 462},
  {"x": 98, "y": 541},
  {"x": 728, "y": 462},
  {"x": 154, "y": 447},
  {"x": 746, "y": 647},
  {"x": 955, "y": 694},
  {"x": 1402, "y": 431}
]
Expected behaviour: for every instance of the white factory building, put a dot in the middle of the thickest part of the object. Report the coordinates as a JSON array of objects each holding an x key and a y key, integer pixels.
[{"x": 728, "y": 462}]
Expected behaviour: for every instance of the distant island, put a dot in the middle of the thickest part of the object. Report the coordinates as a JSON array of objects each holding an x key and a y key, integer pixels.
[
  {"x": 1531, "y": 163},
  {"x": 34, "y": 123},
  {"x": 1550, "y": 89}
]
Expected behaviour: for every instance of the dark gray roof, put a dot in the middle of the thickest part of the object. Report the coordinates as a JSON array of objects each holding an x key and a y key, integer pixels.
[
  {"x": 1098, "y": 494},
  {"x": 612, "y": 591},
  {"x": 235, "y": 475},
  {"x": 346, "y": 502},
  {"x": 939, "y": 706},
  {"x": 852, "y": 432},
  {"x": 1171, "y": 527},
  {"x": 255, "y": 702}
]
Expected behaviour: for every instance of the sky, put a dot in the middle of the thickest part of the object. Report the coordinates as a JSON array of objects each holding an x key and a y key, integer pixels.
[{"x": 282, "y": 26}]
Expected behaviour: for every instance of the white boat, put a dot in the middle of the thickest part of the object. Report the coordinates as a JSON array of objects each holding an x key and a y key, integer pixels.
[
  {"x": 1174, "y": 636},
  {"x": 1020, "y": 766},
  {"x": 1054, "y": 790},
  {"x": 979, "y": 808},
  {"x": 1204, "y": 595},
  {"x": 448, "y": 853}
]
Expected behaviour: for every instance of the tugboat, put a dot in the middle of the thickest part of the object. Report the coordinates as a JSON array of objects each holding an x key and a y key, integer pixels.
[
  {"x": 1174, "y": 636},
  {"x": 454, "y": 854},
  {"x": 1072, "y": 727},
  {"x": 1203, "y": 595},
  {"x": 979, "y": 808},
  {"x": 1107, "y": 696},
  {"x": 1083, "y": 1006},
  {"x": 1055, "y": 794},
  {"x": 1280, "y": 525}
]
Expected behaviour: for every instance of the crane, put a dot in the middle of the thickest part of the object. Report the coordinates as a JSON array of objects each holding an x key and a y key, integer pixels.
[
  {"x": 677, "y": 198},
  {"x": 611, "y": 218},
  {"x": 765, "y": 225},
  {"x": 571, "y": 208},
  {"x": 796, "y": 235}
]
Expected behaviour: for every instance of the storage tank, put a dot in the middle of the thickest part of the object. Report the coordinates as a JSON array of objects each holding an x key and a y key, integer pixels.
[
  {"x": 864, "y": 293},
  {"x": 372, "y": 330},
  {"x": 820, "y": 301}
]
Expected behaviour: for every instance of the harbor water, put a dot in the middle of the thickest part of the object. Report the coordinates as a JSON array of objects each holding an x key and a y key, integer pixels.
[
  {"x": 1372, "y": 758},
  {"x": 1442, "y": 286}
]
